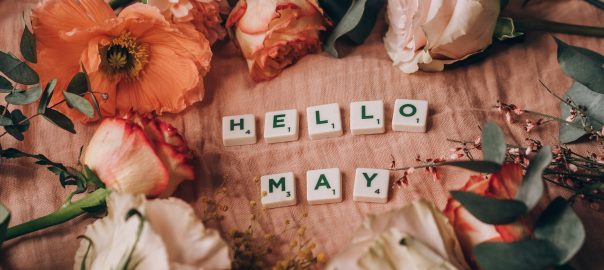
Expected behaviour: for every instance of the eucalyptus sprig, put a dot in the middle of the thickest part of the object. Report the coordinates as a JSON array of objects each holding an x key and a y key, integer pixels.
[{"x": 22, "y": 85}]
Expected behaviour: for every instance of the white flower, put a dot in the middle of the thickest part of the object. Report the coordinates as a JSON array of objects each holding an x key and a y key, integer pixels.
[
  {"x": 416, "y": 236},
  {"x": 172, "y": 237},
  {"x": 429, "y": 34}
]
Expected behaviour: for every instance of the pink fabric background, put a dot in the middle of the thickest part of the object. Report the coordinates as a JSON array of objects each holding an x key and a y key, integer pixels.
[{"x": 460, "y": 99}]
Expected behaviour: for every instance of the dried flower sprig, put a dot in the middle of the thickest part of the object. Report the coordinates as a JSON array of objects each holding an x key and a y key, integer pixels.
[{"x": 251, "y": 250}]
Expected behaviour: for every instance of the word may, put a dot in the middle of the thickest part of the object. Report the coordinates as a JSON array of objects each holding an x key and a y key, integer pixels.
[
  {"x": 324, "y": 121},
  {"x": 324, "y": 186}
]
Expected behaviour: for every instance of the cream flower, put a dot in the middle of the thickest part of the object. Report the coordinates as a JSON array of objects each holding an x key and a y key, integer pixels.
[
  {"x": 416, "y": 236},
  {"x": 172, "y": 237},
  {"x": 428, "y": 34}
]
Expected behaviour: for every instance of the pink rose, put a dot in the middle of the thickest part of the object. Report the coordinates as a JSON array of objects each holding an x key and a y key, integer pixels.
[
  {"x": 275, "y": 34},
  {"x": 427, "y": 34},
  {"x": 205, "y": 15},
  {"x": 471, "y": 231},
  {"x": 139, "y": 155}
]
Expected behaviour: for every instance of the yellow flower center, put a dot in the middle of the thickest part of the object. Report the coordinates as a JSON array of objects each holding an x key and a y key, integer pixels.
[{"x": 124, "y": 55}]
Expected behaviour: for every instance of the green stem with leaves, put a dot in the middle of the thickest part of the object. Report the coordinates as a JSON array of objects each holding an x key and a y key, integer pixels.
[
  {"x": 527, "y": 25},
  {"x": 64, "y": 214}
]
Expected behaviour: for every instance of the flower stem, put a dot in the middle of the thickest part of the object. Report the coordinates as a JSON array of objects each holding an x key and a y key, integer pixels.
[
  {"x": 524, "y": 25},
  {"x": 64, "y": 214}
]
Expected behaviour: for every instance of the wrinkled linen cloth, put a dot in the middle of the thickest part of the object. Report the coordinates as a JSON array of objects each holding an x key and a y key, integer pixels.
[{"x": 460, "y": 100}]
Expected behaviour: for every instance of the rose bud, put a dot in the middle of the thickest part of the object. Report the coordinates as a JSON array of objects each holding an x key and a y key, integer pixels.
[
  {"x": 427, "y": 35},
  {"x": 471, "y": 231},
  {"x": 139, "y": 155},
  {"x": 275, "y": 34}
]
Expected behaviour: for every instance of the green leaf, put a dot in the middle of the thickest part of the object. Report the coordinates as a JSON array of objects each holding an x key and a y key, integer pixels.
[
  {"x": 17, "y": 70},
  {"x": 28, "y": 45},
  {"x": 593, "y": 104},
  {"x": 357, "y": 23},
  {"x": 91, "y": 177},
  {"x": 475, "y": 165},
  {"x": 505, "y": 29},
  {"x": 80, "y": 103},
  {"x": 25, "y": 97},
  {"x": 520, "y": 255},
  {"x": 560, "y": 225},
  {"x": 583, "y": 65},
  {"x": 20, "y": 125},
  {"x": 59, "y": 120},
  {"x": 4, "y": 220},
  {"x": 79, "y": 83},
  {"x": 503, "y": 4},
  {"x": 5, "y": 121},
  {"x": 5, "y": 85},
  {"x": 493, "y": 143},
  {"x": 46, "y": 95},
  {"x": 490, "y": 210},
  {"x": 531, "y": 189}
]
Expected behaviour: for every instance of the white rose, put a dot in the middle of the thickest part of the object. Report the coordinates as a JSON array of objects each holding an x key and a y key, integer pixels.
[
  {"x": 416, "y": 236},
  {"x": 171, "y": 237},
  {"x": 427, "y": 34}
]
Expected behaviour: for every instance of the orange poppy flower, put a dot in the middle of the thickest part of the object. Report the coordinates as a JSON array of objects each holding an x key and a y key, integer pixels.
[{"x": 139, "y": 59}]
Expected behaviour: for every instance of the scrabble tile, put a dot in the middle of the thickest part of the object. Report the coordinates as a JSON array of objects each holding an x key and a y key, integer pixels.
[
  {"x": 281, "y": 126},
  {"x": 238, "y": 130},
  {"x": 371, "y": 185},
  {"x": 410, "y": 115},
  {"x": 323, "y": 186},
  {"x": 324, "y": 121},
  {"x": 367, "y": 117},
  {"x": 278, "y": 190}
]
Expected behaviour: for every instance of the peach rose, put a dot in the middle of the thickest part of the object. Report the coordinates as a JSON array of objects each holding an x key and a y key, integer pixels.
[
  {"x": 275, "y": 34},
  {"x": 427, "y": 34},
  {"x": 139, "y": 155},
  {"x": 205, "y": 15},
  {"x": 471, "y": 231}
]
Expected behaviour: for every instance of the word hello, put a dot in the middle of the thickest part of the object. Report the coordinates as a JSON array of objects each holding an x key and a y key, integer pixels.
[
  {"x": 324, "y": 186},
  {"x": 324, "y": 121}
]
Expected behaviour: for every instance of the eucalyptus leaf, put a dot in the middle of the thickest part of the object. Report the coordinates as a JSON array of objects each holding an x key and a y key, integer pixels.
[
  {"x": 506, "y": 29},
  {"x": 482, "y": 166},
  {"x": 17, "y": 70},
  {"x": 46, "y": 95},
  {"x": 79, "y": 83},
  {"x": 593, "y": 104},
  {"x": 583, "y": 65},
  {"x": 493, "y": 143},
  {"x": 560, "y": 225},
  {"x": 357, "y": 23},
  {"x": 4, "y": 220},
  {"x": 5, "y": 121},
  {"x": 531, "y": 189},
  {"x": 59, "y": 120},
  {"x": 20, "y": 125},
  {"x": 490, "y": 210},
  {"x": 81, "y": 104},
  {"x": 519, "y": 255},
  {"x": 25, "y": 97},
  {"x": 5, "y": 85},
  {"x": 28, "y": 45}
]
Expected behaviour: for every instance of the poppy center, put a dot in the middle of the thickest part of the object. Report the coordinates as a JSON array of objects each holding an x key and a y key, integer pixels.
[{"x": 124, "y": 55}]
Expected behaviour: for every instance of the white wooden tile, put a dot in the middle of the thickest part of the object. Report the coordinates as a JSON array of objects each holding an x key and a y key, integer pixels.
[
  {"x": 238, "y": 130},
  {"x": 324, "y": 121},
  {"x": 323, "y": 186},
  {"x": 367, "y": 117},
  {"x": 278, "y": 190},
  {"x": 281, "y": 126},
  {"x": 410, "y": 115},
  {"x": 371, "y": 185}
]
